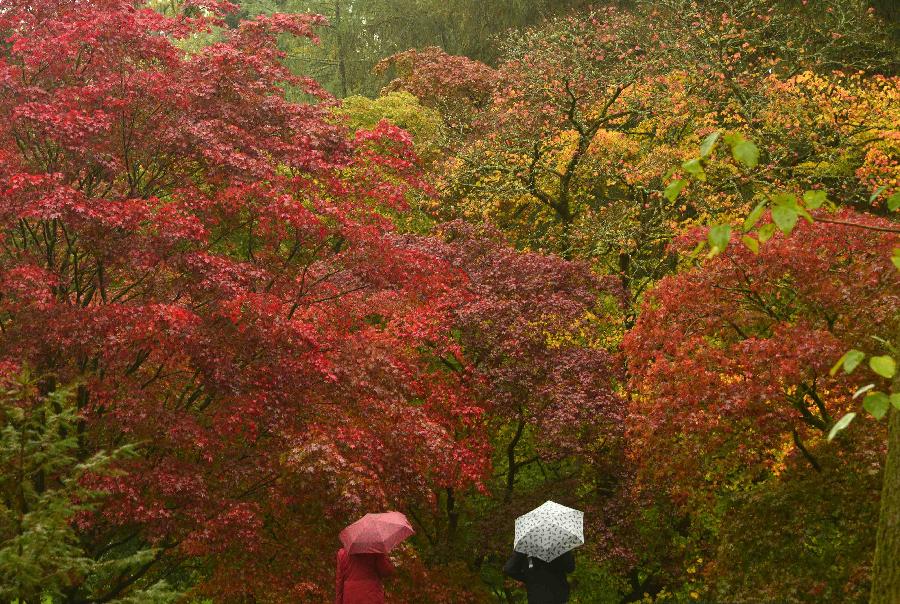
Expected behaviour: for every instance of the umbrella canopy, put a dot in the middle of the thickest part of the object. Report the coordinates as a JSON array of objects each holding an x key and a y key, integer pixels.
[
  {"x": 549, "y": 531},
  {"x": 376, "y": 533}
]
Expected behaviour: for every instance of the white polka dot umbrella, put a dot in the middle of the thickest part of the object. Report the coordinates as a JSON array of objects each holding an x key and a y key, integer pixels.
[{"x": 549, "y": 531}]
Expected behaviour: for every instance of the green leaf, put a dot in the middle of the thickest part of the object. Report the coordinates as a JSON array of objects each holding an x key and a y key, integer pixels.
[
  {"x": 883, "y": 366},
  {"x": 709, "y": 143},
  {"x": 765, "y": 232},
  {"x": 696, "y": 251},
  {"x": 895, "y": 400},
  {"x": 896, "y": 261},
  {"x": 862, "y": 390},
  {"x": 751, "y": 243},
  {"x": 840, "y": 425},
  {"x": 754, "y": 216},
  {"x": 893, "y": 202},
  {"x": 849, "y": 361},
  {"x": 673, "y": 189},
  {"x": 719, "y": 236},
  {"x": 695, "y": 168},
  {"x": 784, "y": 199},
  {"x": 877, "y": 403},
  {"x": 814, "y": 199},
  {"x": 790, "y": 200},
  {"x": 746, "y": 152},
  {"x": 877, "y": 192},
  {"x": 785, "y": 217}
]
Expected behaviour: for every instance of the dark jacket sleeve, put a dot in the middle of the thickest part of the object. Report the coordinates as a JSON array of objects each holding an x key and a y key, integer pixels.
[
  {"x": 515, "y": 566},
  {"x": 565, "y": 563}
]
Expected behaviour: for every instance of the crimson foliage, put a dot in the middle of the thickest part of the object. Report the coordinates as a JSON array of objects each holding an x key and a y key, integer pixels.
[
  {"x": 212, "y": 266},
  {"x": 733, "y": 399}
]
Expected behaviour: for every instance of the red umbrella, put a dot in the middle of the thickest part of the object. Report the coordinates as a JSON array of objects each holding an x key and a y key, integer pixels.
[{"x": 376, "y": 533}]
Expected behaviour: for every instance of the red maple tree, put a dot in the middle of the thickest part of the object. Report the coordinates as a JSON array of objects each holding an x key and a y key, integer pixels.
[
  {"x": 457, "y": 87},
  {"x": 739, "y": 349},
  {"x": 213, "y": 266},
  {"x": 536, "y": 332}
]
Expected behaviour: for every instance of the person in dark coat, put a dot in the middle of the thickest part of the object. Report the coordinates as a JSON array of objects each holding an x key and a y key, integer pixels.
[
  {"x": 545, "y": 582},
  {"x": 359, "y": 578}
]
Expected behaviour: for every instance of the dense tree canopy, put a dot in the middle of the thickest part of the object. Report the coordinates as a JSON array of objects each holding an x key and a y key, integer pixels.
[
  {"x": 266, "y": 266},
  {"x": 730, "y": 366},
  {"x": 208, "y": 264},
  {"x": 362, "y": 32}
]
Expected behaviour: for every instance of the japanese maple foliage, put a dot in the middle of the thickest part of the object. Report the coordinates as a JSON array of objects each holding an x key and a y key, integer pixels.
[
  {"x": 730, "y": 360},
  {"x": 213, "y": 266},
  {"x": 457, "y": 87},
  {"x": 537, "y": 330},
  {"x": 732, "y": 400}
]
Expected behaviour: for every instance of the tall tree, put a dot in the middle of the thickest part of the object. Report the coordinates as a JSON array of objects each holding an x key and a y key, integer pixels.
[
  {"x": 214, "y": 267},
  {"x": 731, "y": 363},
  {"x": 535, "y": 329},
  {"x": 363, "y": 32},
  {"x": 886, "y": 577}
]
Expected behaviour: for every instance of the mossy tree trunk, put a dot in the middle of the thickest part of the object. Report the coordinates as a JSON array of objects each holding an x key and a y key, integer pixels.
[{"x": 886, "y": 570}]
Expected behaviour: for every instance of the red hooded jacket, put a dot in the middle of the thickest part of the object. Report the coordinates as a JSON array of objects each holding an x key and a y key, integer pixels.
[{"x": 359, "y": 576}]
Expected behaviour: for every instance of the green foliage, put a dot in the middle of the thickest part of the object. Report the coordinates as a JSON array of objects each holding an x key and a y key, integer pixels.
[
  {"x": 876, "y": 403},
  {"x": 805, "y": 536},
  {"x": 673, "y": 189},
  {"x": 595, "y": 584},
  {"x": 42, "y": 493},
  {"x": 814, "y": 199},
  {"x": 883, "y": 365},
  {"x": 362, "y": 32},
  {"x": 751, "y": 243},
  {"x": 719, "y": 236},
  {"x": 850, "y": 360},
  {"x": 754, "y": 216},
  {"x": 39, "y": 550},
  {"x": 893, "y": 202},
  {"x": 746, "y": 153},
  {"x": 841, "y": 424},
  {"x": 785, "y": 218},
  {"x": 401, "y": 109},
  {"x": 694, "y": 167},
  {"x": 709, "y": 143}
]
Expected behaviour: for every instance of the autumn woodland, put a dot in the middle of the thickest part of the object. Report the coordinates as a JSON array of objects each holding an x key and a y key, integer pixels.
[{"x": 268, "y": 265}]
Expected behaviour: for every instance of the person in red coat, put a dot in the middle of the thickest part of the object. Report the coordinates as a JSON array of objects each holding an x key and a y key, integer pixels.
[{"x": 359, "y": 577}]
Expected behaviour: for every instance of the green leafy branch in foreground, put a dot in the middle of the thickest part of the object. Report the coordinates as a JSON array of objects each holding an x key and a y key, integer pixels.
[
  {"x": 875, "y": 402},
  {"x": 786, "y": 209}
]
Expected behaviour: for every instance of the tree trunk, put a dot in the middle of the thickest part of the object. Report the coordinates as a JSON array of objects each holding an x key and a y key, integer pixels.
[
  {"x": 341, "y": 51},
  {"x": 886, "y": 570},
  {"x": 513, "y": 466},
  {"x": 452, "y": 516}
]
